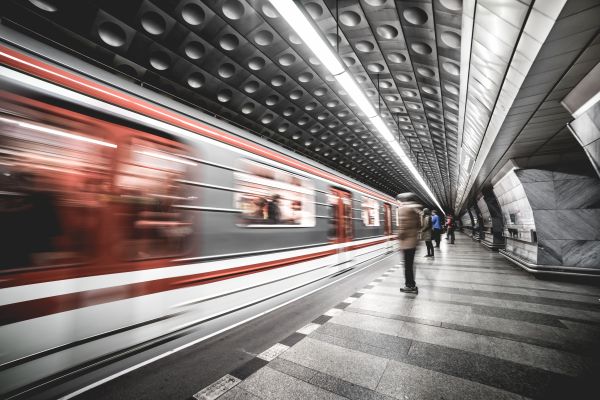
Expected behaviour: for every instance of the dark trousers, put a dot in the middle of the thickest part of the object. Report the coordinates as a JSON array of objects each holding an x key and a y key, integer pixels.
[
  {"x": 437, "y": 236},
  {"x": 429, "y": 244},
  {"x": 409, "y": 272},
  {"x": 451, "y": 235}
]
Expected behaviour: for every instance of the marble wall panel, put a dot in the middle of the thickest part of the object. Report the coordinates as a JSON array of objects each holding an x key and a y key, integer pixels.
[
  {"x": 550, "y": 252},
  {"x": 586, "y": 128},
  {"x": 540, "y": 194},
  {"x": 581, "y": 253},
  {"x": 577, "y": 193},
  {"x": 581, "y": 224}
]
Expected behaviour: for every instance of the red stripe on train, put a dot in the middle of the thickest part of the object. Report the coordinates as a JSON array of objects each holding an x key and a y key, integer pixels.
[{"x": 22, "y": 311}]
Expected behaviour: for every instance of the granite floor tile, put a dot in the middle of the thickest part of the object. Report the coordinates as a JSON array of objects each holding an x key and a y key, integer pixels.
[
  {"x": 270, "y": 384},
  {"x": 350, "y": 365},
  {"x": 237, "y": 393},
  {"x": 369, "y": 323},
  {"x": 346, "y": 389},
  {"x": 404, "y": 381},
  {"x": 292, "y": 369},
  {"x": 365, "y": 341}
]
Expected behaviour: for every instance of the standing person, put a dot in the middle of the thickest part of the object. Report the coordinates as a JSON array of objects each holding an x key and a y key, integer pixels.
[
  {"x": 409, "y": 224},
  {"x": 273, "y": 211},
  {"x": 427, "y": 232},
  {"x": 450, "y": 226},
  {"x": 436, "y": 221}
]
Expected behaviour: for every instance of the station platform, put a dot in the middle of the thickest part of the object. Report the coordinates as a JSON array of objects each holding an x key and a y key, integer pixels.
[{"x": 479, "y": 328}]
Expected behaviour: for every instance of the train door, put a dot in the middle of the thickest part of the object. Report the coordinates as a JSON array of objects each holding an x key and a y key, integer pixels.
[{"x": 341, "y": 230}]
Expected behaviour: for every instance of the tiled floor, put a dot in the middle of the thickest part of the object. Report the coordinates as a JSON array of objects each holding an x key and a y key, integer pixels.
[{"x": 478, "y": 329}]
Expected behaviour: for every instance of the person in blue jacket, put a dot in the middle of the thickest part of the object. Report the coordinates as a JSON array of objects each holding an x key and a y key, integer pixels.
[{"x": 437, "y": 228}]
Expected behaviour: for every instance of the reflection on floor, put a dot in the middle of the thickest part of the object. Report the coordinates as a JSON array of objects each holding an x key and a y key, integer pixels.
[{"x": 478, "y": 329}]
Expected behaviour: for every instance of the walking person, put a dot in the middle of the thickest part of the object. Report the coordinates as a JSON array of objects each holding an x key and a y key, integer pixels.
[
  {"x": 450, "y": 226},
  {"x": 436, "y": 221},
  {"x": 409, "y": 223},
  {"x": 427, "y": 232}
]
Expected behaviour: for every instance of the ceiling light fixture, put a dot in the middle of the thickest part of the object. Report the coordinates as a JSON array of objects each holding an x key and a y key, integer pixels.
[{"x": 303, "y": 27}]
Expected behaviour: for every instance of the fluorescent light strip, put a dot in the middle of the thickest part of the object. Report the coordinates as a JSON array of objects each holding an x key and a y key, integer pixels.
[{"x": 289, "y": 10}]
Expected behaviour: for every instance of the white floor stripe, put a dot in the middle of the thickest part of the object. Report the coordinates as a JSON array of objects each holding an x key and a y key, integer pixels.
[
  {"x": 333, "y": 312},
  {"x": 309, "y": 328},
  {"x": 218, "y": 388},
  {"x": 193, "y": 342},
  {"x": 273, "y": 352},
  {"x": 349, "y": 300}
]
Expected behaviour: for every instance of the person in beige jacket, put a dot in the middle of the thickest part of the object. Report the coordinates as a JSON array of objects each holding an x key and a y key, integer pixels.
[{"x": 409, "y": 224}]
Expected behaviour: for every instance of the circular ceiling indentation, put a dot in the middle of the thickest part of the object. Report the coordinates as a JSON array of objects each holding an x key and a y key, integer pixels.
[
  {"x": 296, "y": 94},
  {"x": 314, "y": 60},
  {"x": 111, "y": 34},
  {"x": 269, "y": 11},
  {"x": 251, "y": 87},
  {"x": 375, "y": 3},
  {"x": 452, "y": 105},
  {"x": 320, "y": 92},
  {"x": 224, "y": 95},
  {"x": 404, "y": 77},
  {"x": 193, "y": 14},
  {"x": 408, "y": 93},
  {"x": 396, "y": 58},
  {"x": 267, "y": 119},
  {"x": 226, "y": 70},
  {"x": 428, "y": 90},
  {"x": 431, "y": 104},
  {"x": 385, "y": 84},
  {"x": 426, "y": 72},
  {"x": 333, "y": 38},
  {"x": 332, "y": 103},
  {"x": 392, "y": 98},
  {"x": 195, "y": 80},
  {"x": 229, "y": 42},
  {"x": 289, "y": 111},
  {"x": 271, "y": 100},
  {"x": 421, "y": 48},
  {"x": 375, "y": 67},
  {"x": 454, "y": 5},
  {"x": 233, "y": 9},
  {"x": 314, "y": 10},
  {"x": 310, "y": 106},
  {"x": 415, "y": 15},
  {"x": 361, "y": 78},
  {"x": 256, "y": 63},
  {"x": 387, "y": 31},
  {"x": 295, "y": 39},
  {"x": 194, "y": 50},
  {"x": 451, "y": 39},
  {"x": 153, "y": 23},
  {"x": 349, "y": 61},
  {"x": 305, "y": 77},
  {"x": 451, "y": 68},
  {"x": 160, "y": 60},
  {"x": 263, "y": 38},
  {"x": 287, "y": 59},
  {"x": 413, "y": 106},
  {"x": 283, "y": 127},
  {"x": 278, "y": 80},
  {"x": 350, "y": 18},
  {"x": 44, "y": 5},
  {"x": 365, "y": 46},
  {"x": 451, "y": 89}
]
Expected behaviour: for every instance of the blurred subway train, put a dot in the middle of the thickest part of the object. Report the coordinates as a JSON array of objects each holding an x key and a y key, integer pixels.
[{"x": 127, "y": 220}]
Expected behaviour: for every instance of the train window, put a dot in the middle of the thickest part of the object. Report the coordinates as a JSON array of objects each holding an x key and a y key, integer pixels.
[
  {"x": 370, "y": 211},
  {"x": 270, "y": 197},
  {"x": 340, "y": 212},
  {"x": 55, "y": 177},
  {"x": 150, "y": 195}
]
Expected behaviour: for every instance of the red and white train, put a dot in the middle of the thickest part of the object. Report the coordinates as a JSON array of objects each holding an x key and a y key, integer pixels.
[{"x": 128, "y": 219}]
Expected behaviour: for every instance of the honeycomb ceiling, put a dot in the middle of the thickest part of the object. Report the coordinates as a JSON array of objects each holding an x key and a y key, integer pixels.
[{"x": 239, "y": 60}]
